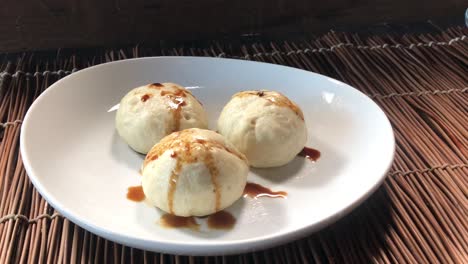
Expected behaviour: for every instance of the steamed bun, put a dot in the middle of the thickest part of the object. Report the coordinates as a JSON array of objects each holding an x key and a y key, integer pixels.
[
  {"x": 264, "y": 125},
  {"x": 149, "y": 113},
  {"x": 194, "y": 172}
]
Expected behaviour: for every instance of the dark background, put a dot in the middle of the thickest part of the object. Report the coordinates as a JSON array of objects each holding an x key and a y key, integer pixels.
[{"x": 47, "y": 24}]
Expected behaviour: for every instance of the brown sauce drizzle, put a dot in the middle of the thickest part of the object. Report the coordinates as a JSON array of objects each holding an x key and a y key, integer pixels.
[
  {"x": 173, "y": 221},
  {"x": 221, "y": 220},
  {"x": 156, "y": 85},
  {"x": 176, "y": 99},
  {"x": 176, "y": 107},
  {"x": 274, "y": 98},
  {"x": 173, "y": 185},
  {"x": 175, "y": 95},
  {"x": 310, "y": 154},
  {"x": 135, "y": 193},
  {"x": 209, "y": 163},
  {"x": 145, "y": 97},
  {"x": 179, "y": 92},
  {"x": 255, "y": 190}
]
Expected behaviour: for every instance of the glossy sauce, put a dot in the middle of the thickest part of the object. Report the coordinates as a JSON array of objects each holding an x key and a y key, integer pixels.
[
  {"x": 255, "y": 190},
  {"x": 176, "y": 101},
  {"x": 145, "y": 97},
  {"x": 135, "y": 193},
  {"x": 175, "y": 96},
  {"x": 156, "y": 85},
  {"x": 178, "y": 93},
  {"x": 176, "y": 107},
  {"x": 221, "y": 220},
  {"x": 173, "y": 221},
  {"x": 310, "y": 153}
]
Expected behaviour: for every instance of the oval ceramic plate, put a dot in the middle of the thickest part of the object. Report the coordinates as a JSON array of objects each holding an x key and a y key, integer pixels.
[{"x": 79, "y": 164}]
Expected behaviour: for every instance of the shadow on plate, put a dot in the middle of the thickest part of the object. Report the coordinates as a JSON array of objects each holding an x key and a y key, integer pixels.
[
  {"x": 121, "y": 152},
  {"x": 283, "y": 173},
  {"x": 303, "y": 173}
]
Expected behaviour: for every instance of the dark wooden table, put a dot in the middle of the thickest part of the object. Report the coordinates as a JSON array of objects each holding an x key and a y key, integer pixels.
[{"x": 48, "y": 24}]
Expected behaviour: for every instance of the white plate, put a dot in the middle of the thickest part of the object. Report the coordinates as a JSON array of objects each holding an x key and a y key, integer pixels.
[{"x": 82, "y": 168}]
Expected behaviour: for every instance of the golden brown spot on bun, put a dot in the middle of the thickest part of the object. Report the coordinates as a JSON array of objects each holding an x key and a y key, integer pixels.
[
  {"x": 188, "y": 146},
  {"x": 275, "y": 98},
  {"x": 178, "y": 92}
]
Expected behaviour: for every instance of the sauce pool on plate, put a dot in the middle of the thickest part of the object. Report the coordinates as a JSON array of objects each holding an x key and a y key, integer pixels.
[
  {"x": 310, "y": 153},
  {"x": 221, "y": 220},
  {"x": 255, "y": 190},
  {"x": 135, "y": 193},
  {"x": 174, "y": 221}
]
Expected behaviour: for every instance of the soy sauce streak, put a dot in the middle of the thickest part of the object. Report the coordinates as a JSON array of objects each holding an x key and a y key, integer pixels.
[
  {"x": 255, "y": 190},
  {"x": 173, "y": 185},
  {"x": 173, "y": 221},
  {"x": 135, "y": 193},
  {"x": 145, "y": 97},
  {"x": 221, "y": 220},
  {"x": 310, "y": 153}
]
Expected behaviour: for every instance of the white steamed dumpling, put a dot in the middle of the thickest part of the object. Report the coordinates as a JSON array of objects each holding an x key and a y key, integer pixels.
[
  {"x": 264, "y": 125},
  {"x": 194, "y": 172},
  {"x": 149, "y": 113}
]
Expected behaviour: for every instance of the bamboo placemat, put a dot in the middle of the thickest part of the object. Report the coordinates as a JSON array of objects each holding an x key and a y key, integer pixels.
[{"x": 418, "y": 215}]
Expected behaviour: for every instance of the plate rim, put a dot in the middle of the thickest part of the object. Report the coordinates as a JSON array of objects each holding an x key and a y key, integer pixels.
[{"x": 207, "y": 248}]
